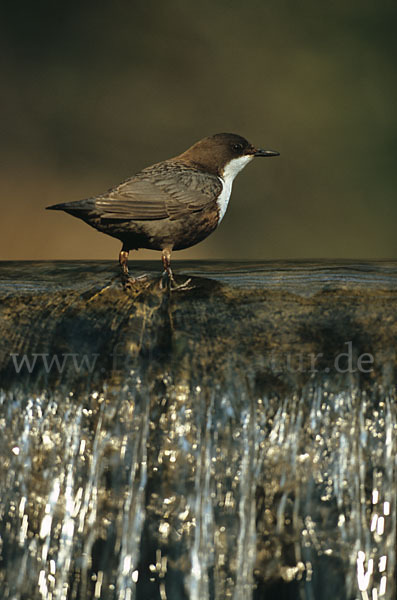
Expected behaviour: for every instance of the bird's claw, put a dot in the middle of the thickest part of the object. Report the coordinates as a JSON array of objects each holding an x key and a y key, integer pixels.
[
  {"x": 130, "y": 282},
  {"x": 182, "y": 286},
  {"x": 168, "y": 281}
]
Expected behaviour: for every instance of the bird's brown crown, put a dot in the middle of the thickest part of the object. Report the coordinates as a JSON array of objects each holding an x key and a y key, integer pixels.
[{"x": 212, "y": 153}]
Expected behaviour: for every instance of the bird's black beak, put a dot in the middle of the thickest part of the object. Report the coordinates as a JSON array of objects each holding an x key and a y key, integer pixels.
[{"x": 260, "y": 152}]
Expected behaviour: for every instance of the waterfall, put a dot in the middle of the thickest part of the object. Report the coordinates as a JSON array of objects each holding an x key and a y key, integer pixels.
[{"x": 237, "y": 440}]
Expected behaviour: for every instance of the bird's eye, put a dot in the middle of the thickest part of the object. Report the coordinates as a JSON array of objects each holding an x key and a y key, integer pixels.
[{"x": 237, "y": 147}]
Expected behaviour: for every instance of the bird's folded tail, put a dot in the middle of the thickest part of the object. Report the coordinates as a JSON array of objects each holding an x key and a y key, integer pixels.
[{"x": 79, "y": 206}]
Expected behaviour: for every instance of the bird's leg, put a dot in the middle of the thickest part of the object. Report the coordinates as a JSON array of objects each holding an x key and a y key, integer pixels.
[
  {"x": 123, "y": 260},
  {"x": 166, "y": 258}
]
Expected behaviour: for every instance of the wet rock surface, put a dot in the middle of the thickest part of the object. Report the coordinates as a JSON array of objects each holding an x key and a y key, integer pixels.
[{"x": 234, "y": 440}]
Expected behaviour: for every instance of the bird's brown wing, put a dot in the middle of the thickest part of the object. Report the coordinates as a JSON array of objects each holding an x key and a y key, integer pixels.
[{"x": 163, "y": 191}]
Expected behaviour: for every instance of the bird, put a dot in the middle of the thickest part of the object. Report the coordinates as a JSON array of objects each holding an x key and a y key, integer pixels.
[{"x": 170, "y": 205}]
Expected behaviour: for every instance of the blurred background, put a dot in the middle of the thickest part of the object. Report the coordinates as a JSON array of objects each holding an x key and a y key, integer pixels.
[{"x": 93, "y": 91}]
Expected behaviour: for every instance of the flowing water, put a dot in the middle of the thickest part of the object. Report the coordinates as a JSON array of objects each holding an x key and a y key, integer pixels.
[{"x": 236, "y": 440}]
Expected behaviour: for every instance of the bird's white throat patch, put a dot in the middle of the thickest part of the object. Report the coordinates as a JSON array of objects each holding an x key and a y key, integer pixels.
[{"x": 229, "y": 173}]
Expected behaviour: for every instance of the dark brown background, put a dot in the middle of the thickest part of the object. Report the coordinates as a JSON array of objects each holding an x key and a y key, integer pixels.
[{"x": 91, "y": 92}]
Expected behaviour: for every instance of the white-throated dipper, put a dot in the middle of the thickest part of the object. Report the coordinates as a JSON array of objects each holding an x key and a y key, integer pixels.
[{"x": 173, "y": 204}]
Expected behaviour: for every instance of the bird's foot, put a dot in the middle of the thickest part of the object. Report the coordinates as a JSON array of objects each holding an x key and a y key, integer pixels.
[
  {"x": 130, "y": 282},
  {"x": 174, "y": 286},
  {"x": 168, "y": 281}
]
